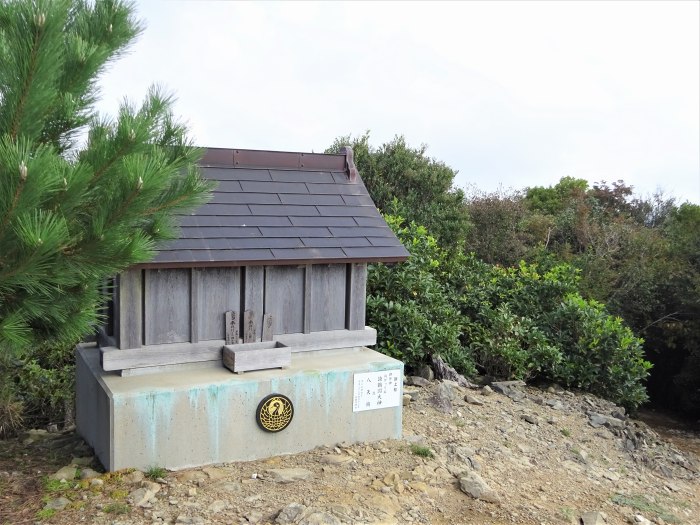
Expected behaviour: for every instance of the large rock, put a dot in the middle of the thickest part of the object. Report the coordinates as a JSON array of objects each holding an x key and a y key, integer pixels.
[
  {"x": 141, "y": 497},
  {"x": 320, "y": 518},
  {"x": 417, "y": 381},
  {"x": 289, "y": 475},
  {"x": 292, "y": 513},
  {"x": 474, "y": 485},
  {"x": 88, "y": 473},
  {"x": 66, "y": 473},
  {"x": 597, "y": 420},
  {"x": 57, "y": 504},
  {"x": 442, "y": 397},
  {"x": 426, "y": 372}
]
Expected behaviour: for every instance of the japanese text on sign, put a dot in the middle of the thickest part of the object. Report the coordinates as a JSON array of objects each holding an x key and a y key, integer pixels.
[{"x": 373, "y": 390}]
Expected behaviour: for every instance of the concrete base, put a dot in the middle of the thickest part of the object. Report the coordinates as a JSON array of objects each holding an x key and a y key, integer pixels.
[{"x": 186, "y": 418}]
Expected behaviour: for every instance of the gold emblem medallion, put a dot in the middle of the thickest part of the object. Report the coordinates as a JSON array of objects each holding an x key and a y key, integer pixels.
[{"x": 274, "y": 413}]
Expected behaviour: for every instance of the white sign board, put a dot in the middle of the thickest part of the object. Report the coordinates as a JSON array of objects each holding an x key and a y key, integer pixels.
[{"x": 373, "y": 390}]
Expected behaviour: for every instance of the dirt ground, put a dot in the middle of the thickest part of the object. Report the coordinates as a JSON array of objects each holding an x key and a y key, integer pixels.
[{"x": 539, "y": 456}]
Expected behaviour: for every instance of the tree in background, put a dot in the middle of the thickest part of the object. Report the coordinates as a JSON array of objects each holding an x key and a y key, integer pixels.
[
  {"x": 70, "y": 216},
  {"x": 405, "y": 181}
]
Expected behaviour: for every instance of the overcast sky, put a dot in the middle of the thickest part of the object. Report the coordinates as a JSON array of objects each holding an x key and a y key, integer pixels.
[{"x": 510, "y": 94}]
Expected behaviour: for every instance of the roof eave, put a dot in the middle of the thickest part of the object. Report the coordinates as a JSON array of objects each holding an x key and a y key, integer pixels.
[{"x": 265, "y": 262}]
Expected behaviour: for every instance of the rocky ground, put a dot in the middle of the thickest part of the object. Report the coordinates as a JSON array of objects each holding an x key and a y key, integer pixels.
[{"x": 499, "y": 455}]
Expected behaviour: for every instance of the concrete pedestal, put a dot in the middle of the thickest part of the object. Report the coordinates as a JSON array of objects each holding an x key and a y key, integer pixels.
[{"x": 191, "y": 417}]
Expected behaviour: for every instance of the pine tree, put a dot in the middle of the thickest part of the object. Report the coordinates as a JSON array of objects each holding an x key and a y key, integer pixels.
[{"x": 73, "y": 215}]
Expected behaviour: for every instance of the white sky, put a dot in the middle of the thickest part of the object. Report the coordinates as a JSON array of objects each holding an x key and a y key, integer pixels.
[{"x": 511, "y": 94}]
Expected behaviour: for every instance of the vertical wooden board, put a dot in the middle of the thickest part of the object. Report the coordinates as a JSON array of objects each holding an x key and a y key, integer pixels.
[
  {"x": 219, "y": 292},
  {"x": 284, "y": 298},
  {"x": 253, "y": 293},
  {"x": 167, "y": 306},
  {"x": 328, "y": 297},
  {"x": 308, "y": 285},
  {"x": 233, "y": 327},
  {"x": 356, "y": 296},
  {"x": 117, "y": 315},
  {"x": 130, "y": 309},
  {"x": 195, "y": 300}
]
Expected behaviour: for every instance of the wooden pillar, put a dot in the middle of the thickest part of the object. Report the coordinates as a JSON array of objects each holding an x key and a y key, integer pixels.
[
  {"x": 130, "y": 309},
  {"x": 355, "y": 294}
]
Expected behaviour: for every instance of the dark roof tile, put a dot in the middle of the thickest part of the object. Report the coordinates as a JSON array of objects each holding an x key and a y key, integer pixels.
[
  {"x": 311, "y": 200},
  {"x": 301, "y": 176},
  {"x": 273, "y": 187},
  {"x": 281, "y": 208}
]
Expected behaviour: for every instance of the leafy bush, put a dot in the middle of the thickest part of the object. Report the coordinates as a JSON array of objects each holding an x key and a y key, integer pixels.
[
  {"x": 410, "y": 306},
  {"x": 602, "y": 355},
  {"x": 514, "y": 323}
]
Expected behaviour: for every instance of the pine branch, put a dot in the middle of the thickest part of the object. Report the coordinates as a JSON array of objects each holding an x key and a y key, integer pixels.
[
  {"x": 40, "y": 20},
  {"x": 15, "y": 199}
]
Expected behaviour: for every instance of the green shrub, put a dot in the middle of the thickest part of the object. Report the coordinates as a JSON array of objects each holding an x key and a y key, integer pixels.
[
  {"x": 411, "y": 307},
  {"x": 602, "y": 355}
]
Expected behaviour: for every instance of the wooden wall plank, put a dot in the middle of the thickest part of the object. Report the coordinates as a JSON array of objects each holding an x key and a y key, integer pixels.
[
  {"x": 167, "y": 306},
  {"x": 180, "y": 353},
  {"x": 220, "y": 292},
  {"x": 356, "y": 296},
  {"x": 253, "y": 294},
  {"x": 130, "y": 309},
  {"x": 195, "y": 299},
  {"x": 308, "y": 285},
  {"x": 284, "y": 298},
  {"x": 159, "y": 355},
  {"x": 328, "y": 297}
]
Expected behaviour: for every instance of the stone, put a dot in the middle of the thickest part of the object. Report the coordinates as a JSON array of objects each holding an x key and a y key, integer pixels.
[
  {"x": 150, "y": 485},
  {"x": 193, "y": 475},
  {"x": 619, "y": 413},
  {"x": 474, "y": 485},
  {"x": 473, "y": 400},
  {"x": 82, "y": 462},
  {"x": 254, "y": 516},
  {"x": 555, "y": 404},
  {"x": 486, "y": 390},
  {"x": 336, "y": 459},
  {"x": 442, "y": 398},
  {"x": 57, "y": 504},
  {"x": 216, "y": 506},
  {"x": 214, "y": 473},
  {"x": 134, "y": 477},
  {"x": 88, "y": 473},
  {"x": 289, "y": 475},
  {"x": 407, "y": 399},
  {"x": 426, "y": 372},
  {"x": 96, "y": 482},
  {"x": 530, "y": 419},
  {"x": 417, "y": 381},
  {"x": 290, "y": 514},
  {"x": 66, "y": 473},
  {"x": 320, "y": 518},
  {"x": 141, "y": 497},
  {"x": 592, "y": 518},
  {"x": 598, "y": 420},
  {"x": 638, "y": 518}
]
